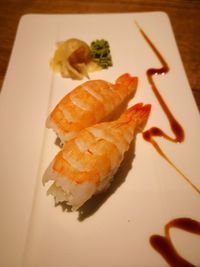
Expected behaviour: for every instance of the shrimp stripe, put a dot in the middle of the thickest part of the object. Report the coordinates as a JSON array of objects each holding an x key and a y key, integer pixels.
[{"x": 93, "y": 93}]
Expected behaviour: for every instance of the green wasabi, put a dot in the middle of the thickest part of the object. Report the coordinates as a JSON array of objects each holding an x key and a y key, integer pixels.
[{"x": 100, "y": 53}]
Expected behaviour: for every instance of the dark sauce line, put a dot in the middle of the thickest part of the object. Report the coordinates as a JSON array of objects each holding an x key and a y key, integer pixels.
[
  {"x": 164, "y": 245},
  {"x": 159, "y": 150},
  {"x": 175, "y": 126}
]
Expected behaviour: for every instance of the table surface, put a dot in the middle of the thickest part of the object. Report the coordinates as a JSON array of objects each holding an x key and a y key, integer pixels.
[{"x": 184, "y": 15}]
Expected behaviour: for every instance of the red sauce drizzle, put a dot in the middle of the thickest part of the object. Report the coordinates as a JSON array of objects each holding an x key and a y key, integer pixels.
[
  {"x": 164, "y": 245},
  {"x": 175, "y": 126}
]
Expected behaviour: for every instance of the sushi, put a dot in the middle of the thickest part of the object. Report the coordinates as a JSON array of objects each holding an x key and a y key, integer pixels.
[
  {"x": 87, "y": 163},
  {"x": 92, "y": 102}
]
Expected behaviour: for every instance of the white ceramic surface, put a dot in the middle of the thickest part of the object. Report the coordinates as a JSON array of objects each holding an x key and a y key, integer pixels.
[{"x": 147, "y": 192}]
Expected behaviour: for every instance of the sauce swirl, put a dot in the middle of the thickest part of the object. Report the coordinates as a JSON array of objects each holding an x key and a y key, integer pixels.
[
  {"x": 175, "y": 126},
  {"x": 164, "y": 245}
]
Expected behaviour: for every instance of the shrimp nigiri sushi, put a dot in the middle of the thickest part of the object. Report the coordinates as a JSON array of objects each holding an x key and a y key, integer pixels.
[
  {"x": 92, "y": 102},
  {"x": 87, "y": 163}
]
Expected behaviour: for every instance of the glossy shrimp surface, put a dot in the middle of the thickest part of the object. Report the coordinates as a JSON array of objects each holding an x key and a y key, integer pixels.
[
  {"x": 99, "y": 149},
  {"x": 88, "y": 104},
  {"x": 86, "y": 164}
]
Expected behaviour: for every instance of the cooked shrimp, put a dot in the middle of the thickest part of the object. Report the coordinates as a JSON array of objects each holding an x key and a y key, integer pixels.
[
  {"x": 86, "y": 164},
  {"x": 88, "y": 104}
]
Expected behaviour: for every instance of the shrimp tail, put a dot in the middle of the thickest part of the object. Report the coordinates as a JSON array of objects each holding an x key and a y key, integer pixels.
[
  {"x": 129, "y": 81},
  {"x": 137, "y": 115}
]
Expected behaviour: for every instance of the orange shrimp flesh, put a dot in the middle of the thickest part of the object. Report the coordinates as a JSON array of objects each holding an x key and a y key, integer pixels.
[
  {"x": 88, "y": 104},
  {"x": 94, "y": 156}
]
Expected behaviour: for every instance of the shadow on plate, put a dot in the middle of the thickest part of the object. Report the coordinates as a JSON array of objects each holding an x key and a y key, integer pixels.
[
  {"x": 93, "y": 204},
  {"x": 58, "y": 142}
]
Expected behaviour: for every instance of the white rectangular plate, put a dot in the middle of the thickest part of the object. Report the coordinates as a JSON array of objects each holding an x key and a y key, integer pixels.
[{"x": 147, "y": 192}]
